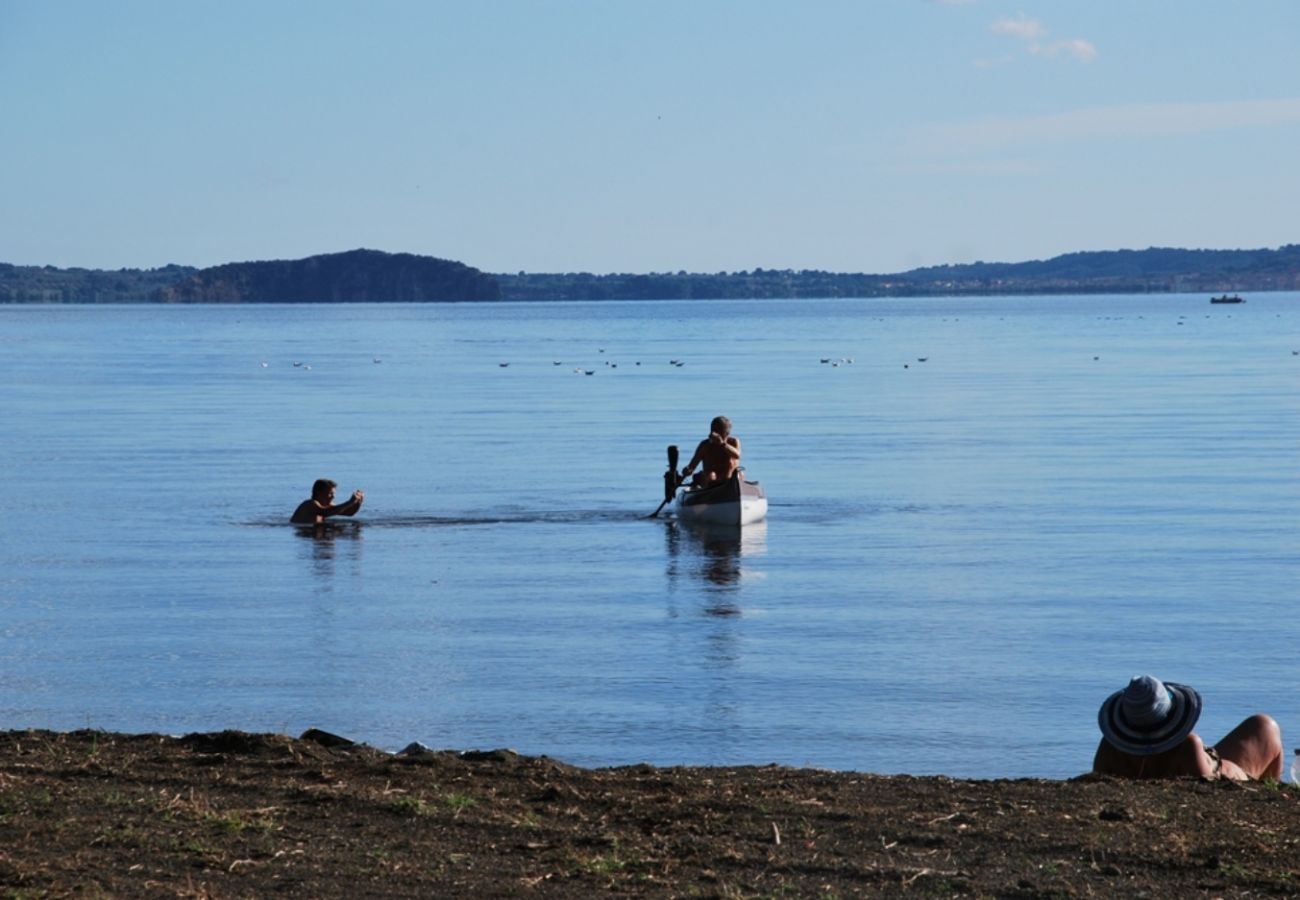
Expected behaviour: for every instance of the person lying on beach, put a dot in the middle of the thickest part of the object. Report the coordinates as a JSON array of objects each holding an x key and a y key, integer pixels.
[
  {"x": 317, "y": 508},
  {"x": 1147, "y": 733},
  {"x": 719, "y": 453}
]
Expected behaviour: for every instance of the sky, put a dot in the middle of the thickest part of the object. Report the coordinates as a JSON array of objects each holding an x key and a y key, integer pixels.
[{"x": 617, "y": 136}]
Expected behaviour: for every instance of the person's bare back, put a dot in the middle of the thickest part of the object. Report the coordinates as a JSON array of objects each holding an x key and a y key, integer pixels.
[
  {"x": 718, "y": 455},
  {"x": 1147, "y": 733}
]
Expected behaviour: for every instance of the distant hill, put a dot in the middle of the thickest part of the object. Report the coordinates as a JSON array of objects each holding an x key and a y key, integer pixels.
[
  {"x": 357, "y": 276},
  {"x": 371, "y": 276},
  {"x": 1157, "y": 269}
]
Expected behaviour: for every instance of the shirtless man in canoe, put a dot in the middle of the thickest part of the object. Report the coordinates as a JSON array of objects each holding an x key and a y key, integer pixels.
[
  {"x": 718, "y": 454},
  {"x": 319, "y": 506}
]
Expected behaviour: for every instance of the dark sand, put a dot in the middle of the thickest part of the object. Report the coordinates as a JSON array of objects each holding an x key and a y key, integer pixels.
[{"x": 240, "y": 815}]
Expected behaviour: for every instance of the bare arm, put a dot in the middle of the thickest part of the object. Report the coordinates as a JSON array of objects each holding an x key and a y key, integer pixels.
[
  {"x": 696, "y": 459},
  {"x": 349, "y": 507}
]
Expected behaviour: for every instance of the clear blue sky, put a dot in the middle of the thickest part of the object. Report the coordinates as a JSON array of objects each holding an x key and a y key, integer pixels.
[{"x": 614, "y": 136}]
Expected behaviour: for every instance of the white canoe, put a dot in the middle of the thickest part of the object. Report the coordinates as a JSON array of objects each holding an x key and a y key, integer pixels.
[{"x": 734, "y": 502}]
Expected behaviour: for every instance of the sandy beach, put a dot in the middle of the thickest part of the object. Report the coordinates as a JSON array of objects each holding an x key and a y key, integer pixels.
[{"x": 239, "y": 815}]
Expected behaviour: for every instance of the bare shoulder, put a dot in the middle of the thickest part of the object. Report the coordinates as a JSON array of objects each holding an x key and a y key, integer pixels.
[{"x": 306, "y": 512}]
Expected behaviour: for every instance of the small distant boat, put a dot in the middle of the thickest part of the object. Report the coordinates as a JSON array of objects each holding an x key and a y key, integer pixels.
[
  {"x": 1235, "y": 298},
  {"x": 734, "y": 502}
]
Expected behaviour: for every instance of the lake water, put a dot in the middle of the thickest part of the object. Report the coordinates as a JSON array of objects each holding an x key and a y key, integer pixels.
[{"x": 962, "y": 558}]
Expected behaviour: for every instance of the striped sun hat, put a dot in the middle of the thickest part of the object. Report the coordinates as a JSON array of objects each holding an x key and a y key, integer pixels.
[{"x": 1149, "y": 716}]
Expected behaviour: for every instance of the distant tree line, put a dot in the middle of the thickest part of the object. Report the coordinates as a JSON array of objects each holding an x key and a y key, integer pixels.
[
  {"x": 46, "y": 284},
  {"x": 760, "y": 283},
  {"x": 364, "y": 276},
  {"x": 1157, "y": 270}
]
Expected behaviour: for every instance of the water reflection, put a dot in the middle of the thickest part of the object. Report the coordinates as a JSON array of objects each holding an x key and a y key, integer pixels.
[
  {"x": 710, "y": 566},
  {"x": 329, "y": 542},
  {"x": 718, "y": 556}
]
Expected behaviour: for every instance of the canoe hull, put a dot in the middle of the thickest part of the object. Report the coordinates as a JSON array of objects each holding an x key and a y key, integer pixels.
[{"x": 736, "y": 502}]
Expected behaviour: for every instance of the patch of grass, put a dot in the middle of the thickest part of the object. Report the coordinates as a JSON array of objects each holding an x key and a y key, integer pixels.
[
  {"x": 528, "y": 820},
  {"x": 611, "y": 863},
  {"x": 458, "y": 803},
  {"x": 235, "y": 823},
  {"x": 194, "y": 847},
  {"x": 230, "y": 823},
  {"x": 606, "y": 864},
  {"x": 121, "y": 837},
  {"x": 1236, "y": 871},
  {"x": 410, "y": 805}
]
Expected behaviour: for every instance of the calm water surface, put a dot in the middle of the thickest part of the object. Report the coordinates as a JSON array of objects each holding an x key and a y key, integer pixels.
[{"x": 963, "y": 556}]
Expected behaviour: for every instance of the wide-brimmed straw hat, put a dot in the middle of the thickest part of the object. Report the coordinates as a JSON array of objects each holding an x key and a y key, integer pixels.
[{"x": 1149, "y": 716}]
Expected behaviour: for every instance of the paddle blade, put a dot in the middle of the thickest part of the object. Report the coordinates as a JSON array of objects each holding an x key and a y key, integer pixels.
[
  {"x": 670, "y": 477},
  {"x": 670, "y": 480}
]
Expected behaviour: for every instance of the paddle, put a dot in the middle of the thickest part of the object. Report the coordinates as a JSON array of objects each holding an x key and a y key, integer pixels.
[{"x": 671, "y": 480}]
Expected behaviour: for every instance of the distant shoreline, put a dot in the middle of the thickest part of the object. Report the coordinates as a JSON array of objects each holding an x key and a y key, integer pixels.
[{"x": 371, "y": 276}]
